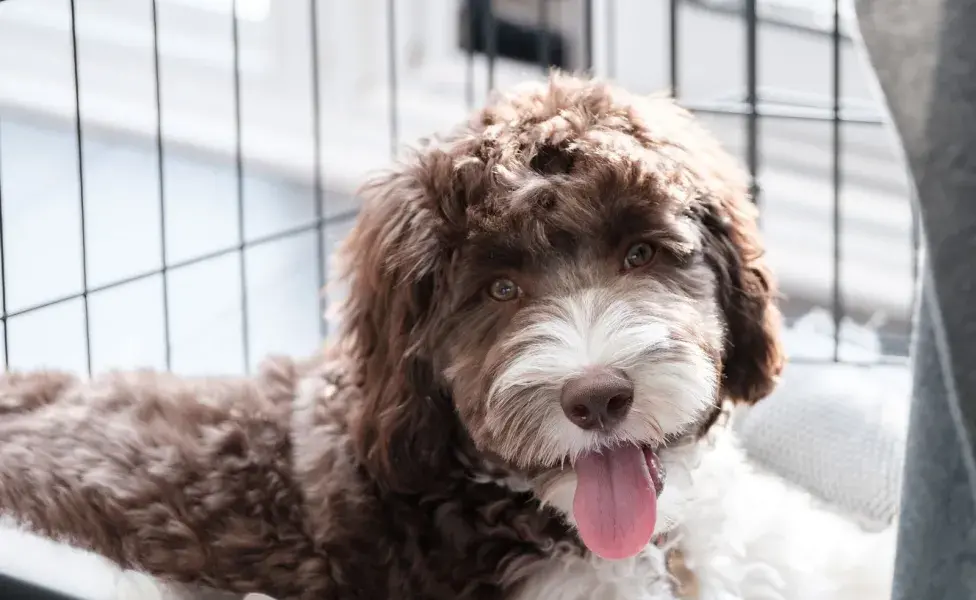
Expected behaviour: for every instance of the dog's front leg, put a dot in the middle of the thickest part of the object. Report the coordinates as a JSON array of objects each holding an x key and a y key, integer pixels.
[{"x": 184, "y": 479}]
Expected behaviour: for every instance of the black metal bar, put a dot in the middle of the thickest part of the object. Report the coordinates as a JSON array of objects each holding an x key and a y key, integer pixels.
[
  {"x": 588, "y": 35},
  {"x": 491, "y": 42},
  {"x": 336, "y": 219},
  {"x": 3, "y": 267},
  {"x": 318, "y": 192},
  {"x": 752, "y": 116},
  {"x": 611, "y": 17},
  {"x": 774, "y": 111},
  {"x": 160, "y": 170},
  {"x": 239, "y": 172},
  {"x": 837, "y": 307},
  {"x": 391, "y": 50},
  {"x": 81, "y": 187},
  {"x": 469, "y": 58},
  {"x": 543, "y": 26},
  {"x": 673, "y": 48}
]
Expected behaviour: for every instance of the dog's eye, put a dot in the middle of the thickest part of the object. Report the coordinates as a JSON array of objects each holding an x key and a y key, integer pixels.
[
  {"x": 503, "y": 290},
  {"x": 638, "y": 255}
]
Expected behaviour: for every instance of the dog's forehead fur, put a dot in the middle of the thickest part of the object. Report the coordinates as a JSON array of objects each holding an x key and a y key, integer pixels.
[{"x": 550, "y": 165}]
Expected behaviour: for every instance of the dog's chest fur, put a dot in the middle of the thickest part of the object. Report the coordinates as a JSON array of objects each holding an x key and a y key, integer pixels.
[
  {"x": 655, "y": 574},
  {"x": 739, "y": 535}
]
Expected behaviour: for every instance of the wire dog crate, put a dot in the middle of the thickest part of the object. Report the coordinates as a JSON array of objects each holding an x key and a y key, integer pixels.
[{"x": 574, "y": 34}]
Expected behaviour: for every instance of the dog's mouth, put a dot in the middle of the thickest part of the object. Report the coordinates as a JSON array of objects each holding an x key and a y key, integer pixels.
[{"x": 615, "y": 506}]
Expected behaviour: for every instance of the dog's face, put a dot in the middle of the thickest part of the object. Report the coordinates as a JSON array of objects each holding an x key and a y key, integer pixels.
[
  {"x": 576, "y": 279},
  {"x": 594, "y": 322}
]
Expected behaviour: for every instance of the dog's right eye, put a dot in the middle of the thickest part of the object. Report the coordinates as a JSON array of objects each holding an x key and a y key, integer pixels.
[
  {"x": 503, "y": 290},
  {"x": 638, "y": 255}
]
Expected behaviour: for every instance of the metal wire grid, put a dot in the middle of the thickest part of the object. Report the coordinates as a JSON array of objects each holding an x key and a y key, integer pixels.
[
  {"x": 752, "y": 108},
  {"x": 317, "y": 225}
]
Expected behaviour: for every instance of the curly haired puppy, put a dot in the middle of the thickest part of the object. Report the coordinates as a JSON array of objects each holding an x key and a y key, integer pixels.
[{"x": 548, "y": 309}]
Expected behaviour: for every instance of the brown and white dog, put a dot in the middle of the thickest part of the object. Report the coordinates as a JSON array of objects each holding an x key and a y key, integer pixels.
[{"x": 548, "y": 309}]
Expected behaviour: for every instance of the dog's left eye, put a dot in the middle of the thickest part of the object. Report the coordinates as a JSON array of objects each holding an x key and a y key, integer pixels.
[
  {"x": 503, "y": 290},
  {"x": 638, "y": 255}
]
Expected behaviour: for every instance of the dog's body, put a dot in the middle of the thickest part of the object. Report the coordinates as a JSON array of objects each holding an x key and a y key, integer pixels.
[
  {"x": 315, "y": 527},
  {"x": 547, "y": 312}
]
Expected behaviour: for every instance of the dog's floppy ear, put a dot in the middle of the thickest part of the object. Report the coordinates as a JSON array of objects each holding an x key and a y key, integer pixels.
[
  {"x": 728, "y": 219},
  {"x": 753, "y": 354},
  {"x": 393, "y": 262}
]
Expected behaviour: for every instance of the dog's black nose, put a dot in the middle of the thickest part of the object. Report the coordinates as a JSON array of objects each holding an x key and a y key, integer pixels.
[{"x": 598, "y": 399}]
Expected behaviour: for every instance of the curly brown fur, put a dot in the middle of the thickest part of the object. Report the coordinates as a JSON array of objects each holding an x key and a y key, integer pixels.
[
  {"x": 251, "y": 485},
  {"x": 373, "y": 472}
]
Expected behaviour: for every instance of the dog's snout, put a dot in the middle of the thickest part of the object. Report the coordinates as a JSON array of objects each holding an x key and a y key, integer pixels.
[{"x": 598, "y": 399}]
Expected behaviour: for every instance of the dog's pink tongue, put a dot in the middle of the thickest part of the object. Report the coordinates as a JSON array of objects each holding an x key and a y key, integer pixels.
[{"x": 615, "y": 504}]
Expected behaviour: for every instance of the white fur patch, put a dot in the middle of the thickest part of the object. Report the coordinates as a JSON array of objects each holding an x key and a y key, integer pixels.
[
  {"x": 674, "y": 379},
  {"x": 572, "y": 577}
]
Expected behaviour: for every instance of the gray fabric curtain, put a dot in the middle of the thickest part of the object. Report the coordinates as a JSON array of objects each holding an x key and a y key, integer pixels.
[{"x": 924, "y": 54}]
